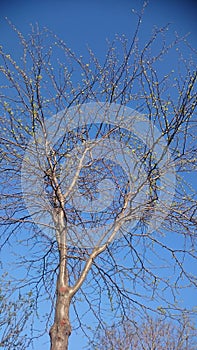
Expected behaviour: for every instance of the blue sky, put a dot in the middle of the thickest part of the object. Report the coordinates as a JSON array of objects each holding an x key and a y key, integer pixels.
[{"x": 90, "y": 22}]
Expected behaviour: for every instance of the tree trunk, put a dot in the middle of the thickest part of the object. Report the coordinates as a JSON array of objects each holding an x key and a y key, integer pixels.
[{"x": 61, "y": 329}]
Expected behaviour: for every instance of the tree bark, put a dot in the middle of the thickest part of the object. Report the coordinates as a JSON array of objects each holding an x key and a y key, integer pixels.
[{"x": 61, "y": 329}]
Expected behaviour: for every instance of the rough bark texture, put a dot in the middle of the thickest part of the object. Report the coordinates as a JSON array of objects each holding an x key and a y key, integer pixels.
[{"x": 61, "y": 329}]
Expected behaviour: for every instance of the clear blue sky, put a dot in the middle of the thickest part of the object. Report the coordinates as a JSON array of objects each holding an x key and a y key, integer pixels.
[{"x": 82, "y": 22}]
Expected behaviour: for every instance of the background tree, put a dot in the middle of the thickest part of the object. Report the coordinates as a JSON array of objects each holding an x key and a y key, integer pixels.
[
  {"x": 154, "y": 334},
  {"x": 61, "y": 262}
]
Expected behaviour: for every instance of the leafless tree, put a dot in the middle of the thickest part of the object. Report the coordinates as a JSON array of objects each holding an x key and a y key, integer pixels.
[
  {"x": 153, "y": 334},
  {"x": 111, "y": 218}
]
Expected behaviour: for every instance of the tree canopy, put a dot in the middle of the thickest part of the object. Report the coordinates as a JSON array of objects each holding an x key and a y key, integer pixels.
[{"x": 98, "y": 212}]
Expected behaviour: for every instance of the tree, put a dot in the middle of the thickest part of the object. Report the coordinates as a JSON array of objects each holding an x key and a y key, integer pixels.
[
  {"x": 107, "y": 222},
  {"x": 154, "y": 334}
]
